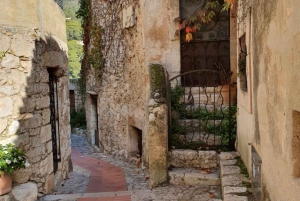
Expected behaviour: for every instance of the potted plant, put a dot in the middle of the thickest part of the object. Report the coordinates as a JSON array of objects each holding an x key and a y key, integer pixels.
[
  {"x": 226, "y": 85},
  {"x": 11, "y": 159}
]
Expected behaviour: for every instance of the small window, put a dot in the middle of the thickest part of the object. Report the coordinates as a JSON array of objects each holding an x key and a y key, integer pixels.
[
  {"x": 242, "y": 63},
  {"x": 296, "y": 144}
]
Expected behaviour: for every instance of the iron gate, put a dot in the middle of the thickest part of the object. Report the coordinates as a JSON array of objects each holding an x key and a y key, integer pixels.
[
  {"x": 201, "y": 111},
  {"x": 54, "y": 119},
  {"x": 210, "y": 43}
]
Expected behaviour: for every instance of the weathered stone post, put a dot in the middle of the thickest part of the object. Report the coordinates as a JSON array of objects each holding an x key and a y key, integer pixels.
[{"x": 158, "y": 127}]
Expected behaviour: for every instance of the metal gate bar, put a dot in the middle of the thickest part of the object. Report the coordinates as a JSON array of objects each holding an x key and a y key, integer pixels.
[{"x": 54, "y": 119}]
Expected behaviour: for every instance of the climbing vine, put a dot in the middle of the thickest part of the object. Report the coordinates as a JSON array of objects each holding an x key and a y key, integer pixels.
[
  {"x": 95, "y": 54},
  {"x": 195, "y": 22}
]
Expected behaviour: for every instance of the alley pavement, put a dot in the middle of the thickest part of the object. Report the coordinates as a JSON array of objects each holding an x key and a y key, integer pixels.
[{"x": 99, "y": 177}]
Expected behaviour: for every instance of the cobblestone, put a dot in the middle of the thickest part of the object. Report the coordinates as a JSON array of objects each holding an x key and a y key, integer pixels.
[
  {"x": 135, "y": 177},
  {"x": 74, "y": 188}
]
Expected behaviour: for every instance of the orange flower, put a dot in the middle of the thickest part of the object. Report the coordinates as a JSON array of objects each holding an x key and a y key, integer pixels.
[
  {"x": 188, "y": 37},
  {"x": 188, "y": 30}
]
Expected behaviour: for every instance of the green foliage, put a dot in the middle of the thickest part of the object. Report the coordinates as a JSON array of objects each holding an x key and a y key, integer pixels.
[
  {"x": 75, "y": 55},
  {"x": 158, "y": 81},
  {"x": 74, "y": 31},
  {"x": 83, "y": 11},
  {"x": 2, "y": 54},
  {"x": 74, "y": 34},
  {"x": 95, "y": 55},
  {"x": 226, "y": 128},
  {"x": 11, "y": 159},
  {"x": 243, "y": 168},
  {"x": 176, "y": 93},
  {"x": 78, "y": 119}
]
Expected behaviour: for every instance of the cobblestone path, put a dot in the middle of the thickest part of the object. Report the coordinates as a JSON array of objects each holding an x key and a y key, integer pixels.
[{"x": 98, "y": 177}]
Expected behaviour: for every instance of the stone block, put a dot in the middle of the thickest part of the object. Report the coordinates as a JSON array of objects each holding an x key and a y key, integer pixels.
[
  {"x": 230, "y": 197},
  {"x": 228, "y": 170},
  {"x": 37, "y": 151},
  {"x": 14, "y": 127},
  {"x": 234, "y": 190},
  {"x": 6, "y": 106},
  {"x": 49, "y": 184},
  {"x": 18, "y": 77},
  {"x": 129, "y": 17},
  {"x": 190, "y": 154},
  {"x": 45, "y": 165},
  {"x": 25, "y": 192},
  {"x": 231, "y": 180},
  {"x": 10, "y": 61},
  {"x": 212, "y": 155},
  {"x": 228, "y": 155},
  {"x": 22, "y": 175},
  {"x": 22, "y": 47},
  {"x": 191, "y": 176},
  {"x": 34, "y": 122},
  {"x": 29, "y": 105},
  {"x": 53, "y": 59},
  {"x": 9, "y": 90},
  {"x": 5, "y": 198},
  {"x": 3, "y": 78},
  {"x": 45, "y": 133},
  {"x": 3, "y": 124},
  {"x": 46, "y": 116},
  {"x": 43, "y": 102},
  {"x": 227, "y": 162},
  {"x": 4, "y": 42}
]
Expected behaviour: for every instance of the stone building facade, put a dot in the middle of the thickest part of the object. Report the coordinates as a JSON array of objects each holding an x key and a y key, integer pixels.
[
  {"x": 76, "y": 99},
  {"x": 34, "y": 49},
  {"x": 123, "y": 119},
  {"x": 268, "y": 118}
]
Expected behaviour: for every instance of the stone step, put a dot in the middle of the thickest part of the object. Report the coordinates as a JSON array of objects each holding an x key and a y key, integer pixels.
[{"x": 194, "y": 176}]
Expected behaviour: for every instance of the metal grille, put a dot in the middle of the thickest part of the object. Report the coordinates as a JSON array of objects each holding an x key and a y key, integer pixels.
[
  {"x": 210, "y": 44},
  {"x": 201, "y": 117},
  {"x": 54, "y": 119}
]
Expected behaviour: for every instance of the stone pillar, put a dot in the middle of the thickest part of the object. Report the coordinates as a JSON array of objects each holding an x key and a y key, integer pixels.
[{"x": 158, "y": 143}]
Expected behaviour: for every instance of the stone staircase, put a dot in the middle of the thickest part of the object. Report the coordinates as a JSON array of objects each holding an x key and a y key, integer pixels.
[
  {"x": 207, "y": 168},
  {"x": 194, "y": 176}
]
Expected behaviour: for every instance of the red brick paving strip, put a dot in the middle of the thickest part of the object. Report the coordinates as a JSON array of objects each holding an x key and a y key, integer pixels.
[
  {"x": 104, "y": 176},
  {"x": 117, "y": 198}
]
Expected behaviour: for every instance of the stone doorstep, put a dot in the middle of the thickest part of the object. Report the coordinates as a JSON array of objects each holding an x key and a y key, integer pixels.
[
  {"x": 23, "y": 192},
  {"x": 230, "y": 197},
  {"x": 90, "y": 195},
  {"x": 192, "y": 176}
]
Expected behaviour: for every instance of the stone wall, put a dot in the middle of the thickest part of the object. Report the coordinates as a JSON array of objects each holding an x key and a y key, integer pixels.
[
  {"x": 134, "y": 37},
  {"x": 24, "y": 89},
  {"x": 269, "y": 111},
  {"x": 74, "y": 85}
]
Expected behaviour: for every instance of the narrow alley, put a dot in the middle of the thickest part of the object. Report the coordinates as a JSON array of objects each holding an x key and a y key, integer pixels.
[{"x": 98, "y": 177}]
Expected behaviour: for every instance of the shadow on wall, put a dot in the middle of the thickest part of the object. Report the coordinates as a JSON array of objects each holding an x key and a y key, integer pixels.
[{"x": 34, "y": 104}]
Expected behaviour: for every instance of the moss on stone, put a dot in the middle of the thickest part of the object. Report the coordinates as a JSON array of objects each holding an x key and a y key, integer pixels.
[{"x": 157, "y": 80}]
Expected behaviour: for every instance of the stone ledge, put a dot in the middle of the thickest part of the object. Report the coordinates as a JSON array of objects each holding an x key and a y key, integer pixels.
[
  {"x": 23, "y": 192},
  {"x": 191, "y": 176},
  {"x": 192, "y": 158},
  {"x": 230, "y": 197}
]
